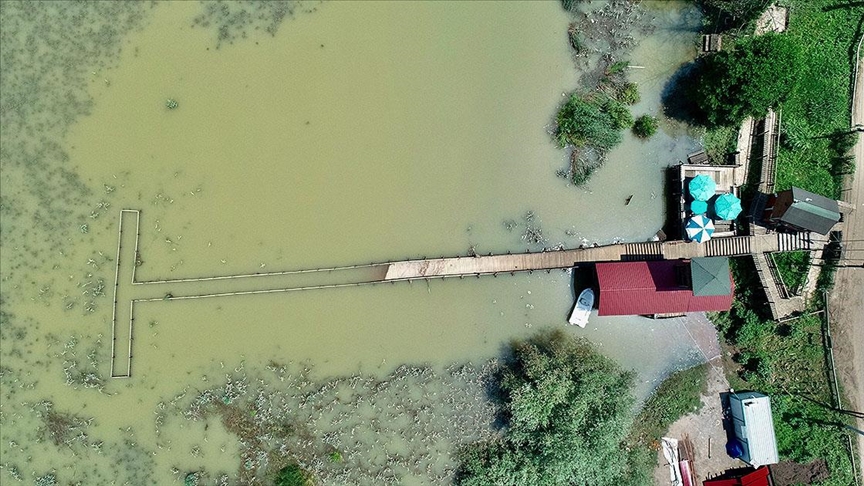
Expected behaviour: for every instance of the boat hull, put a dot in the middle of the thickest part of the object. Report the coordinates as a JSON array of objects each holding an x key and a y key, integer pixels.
[{"x": 582, "y": 309}]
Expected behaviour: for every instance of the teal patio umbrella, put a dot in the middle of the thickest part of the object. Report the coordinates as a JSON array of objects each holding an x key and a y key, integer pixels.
[
  {"x": 699, "y": 228},
  {"x": 727, "y": 206},
  {"x": 698, "y": 207},
  {"x": 702, "y": 187}
]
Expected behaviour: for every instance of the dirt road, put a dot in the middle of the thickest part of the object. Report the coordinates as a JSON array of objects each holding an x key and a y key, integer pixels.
[{"x": 847, "y": 300}]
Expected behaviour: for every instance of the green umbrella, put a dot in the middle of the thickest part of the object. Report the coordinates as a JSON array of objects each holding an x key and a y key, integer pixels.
[
  {"x": 698, "y": 207},
  {"x": 702, "y": 187},
  {"x": 727, "y": 206}
]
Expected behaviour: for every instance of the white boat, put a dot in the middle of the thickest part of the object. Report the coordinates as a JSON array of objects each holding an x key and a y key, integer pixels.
[{"x": 582, "y": 309}]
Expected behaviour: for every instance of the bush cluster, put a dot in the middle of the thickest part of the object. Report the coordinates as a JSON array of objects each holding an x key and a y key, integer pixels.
[
  {"x": 592, "y": 120},
  {"x": 645, "y": 126},
  {"x": 568, "y": 412}
]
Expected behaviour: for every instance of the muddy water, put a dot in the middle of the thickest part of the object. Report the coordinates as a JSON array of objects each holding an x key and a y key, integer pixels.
[{"x": 359, "y": 132}]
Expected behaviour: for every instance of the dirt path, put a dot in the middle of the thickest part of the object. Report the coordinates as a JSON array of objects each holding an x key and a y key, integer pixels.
[
  {"x": 705, "y": 431},
  {"x": 846, "y": 304}
]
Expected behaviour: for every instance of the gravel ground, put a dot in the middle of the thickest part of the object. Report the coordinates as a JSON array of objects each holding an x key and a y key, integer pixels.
[{"x": 701, "y": 428}]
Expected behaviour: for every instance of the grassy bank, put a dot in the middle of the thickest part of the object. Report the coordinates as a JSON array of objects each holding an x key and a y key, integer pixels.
[
  {"x": 793, "y": 267},
  {"x": 815, "y": 137},
  {"x": 786, "y": 361},
  {"x": 677, "y": 396},
  {"x": 815, "y": 116}
]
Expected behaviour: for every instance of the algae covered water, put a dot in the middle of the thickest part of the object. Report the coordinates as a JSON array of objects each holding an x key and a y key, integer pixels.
[{"x": 297, "y": 135}]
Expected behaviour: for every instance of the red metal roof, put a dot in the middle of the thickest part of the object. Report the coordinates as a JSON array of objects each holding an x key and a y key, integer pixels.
[
  {"x": 759, "y": 477},
  {"x": 637, "y": 288}
]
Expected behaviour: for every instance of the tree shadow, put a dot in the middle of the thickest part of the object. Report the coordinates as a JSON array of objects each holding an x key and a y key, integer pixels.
[{"x": 680, "y": 91}]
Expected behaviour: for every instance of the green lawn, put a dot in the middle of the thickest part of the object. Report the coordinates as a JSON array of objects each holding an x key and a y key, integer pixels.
[
  {"x": 818, "y": 107},
  {"x": 677, "y": 396},
  {"x": 793, "y": 267}
]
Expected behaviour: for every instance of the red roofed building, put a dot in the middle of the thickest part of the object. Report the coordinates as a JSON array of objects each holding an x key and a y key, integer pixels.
[
  {"x": 759, "y": 477},
  {"x": 664, "y": 286}
]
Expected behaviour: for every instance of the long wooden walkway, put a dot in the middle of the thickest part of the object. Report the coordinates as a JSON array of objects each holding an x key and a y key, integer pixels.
[{"x": 524, "y": 262}]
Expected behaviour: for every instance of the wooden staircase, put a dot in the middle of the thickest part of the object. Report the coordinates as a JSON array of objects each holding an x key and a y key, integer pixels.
[
  {"x": 650, "y": 250},
  {"x": 731, "y": 246},
  {"x": 794, "y": 241}
]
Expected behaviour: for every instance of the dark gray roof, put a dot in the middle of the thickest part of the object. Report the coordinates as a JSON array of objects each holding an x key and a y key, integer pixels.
[
  {"x": 811, "y": 211},
  {"x": 710, "y": 276}
]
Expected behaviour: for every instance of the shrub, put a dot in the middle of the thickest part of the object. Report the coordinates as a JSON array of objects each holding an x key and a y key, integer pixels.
[
  {"x": 585, "y": 121},
  {"x": 719, "y": 142},
  {"x": 617, "y": 68},
  {"x": 629, "y": 94},
  {"x": 618, "y": 113},
  {"x": 645, "y": 126},
  {"x": 293, "y": 475}
]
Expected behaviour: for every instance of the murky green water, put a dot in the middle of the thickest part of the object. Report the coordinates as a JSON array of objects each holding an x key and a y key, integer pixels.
[{"x": 360, "y": 132}]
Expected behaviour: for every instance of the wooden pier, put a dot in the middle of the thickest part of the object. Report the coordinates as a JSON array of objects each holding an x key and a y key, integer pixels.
[{"x": 128, "y": 291}]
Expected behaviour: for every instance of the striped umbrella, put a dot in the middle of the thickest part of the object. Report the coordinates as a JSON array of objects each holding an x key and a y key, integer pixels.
[
  {"x": 702, "y": 187},
  {"x": 727, "y": 206},
  {"x": 699, "y": 228}
]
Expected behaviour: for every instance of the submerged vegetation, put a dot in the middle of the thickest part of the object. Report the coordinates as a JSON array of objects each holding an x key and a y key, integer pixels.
[
  {"x": 235, "y": 21},
  {"x": 293, "y": 429},
  {"x": 592, "y": 120}
]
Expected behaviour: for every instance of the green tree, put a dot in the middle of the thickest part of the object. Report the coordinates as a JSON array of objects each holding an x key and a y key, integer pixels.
[
  {"x": 748, "y": 80},
  {"x": 568, "y": 412}
]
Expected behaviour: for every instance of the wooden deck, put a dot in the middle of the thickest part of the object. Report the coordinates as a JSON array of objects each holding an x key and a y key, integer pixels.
[{"x": 770, "y": 135}]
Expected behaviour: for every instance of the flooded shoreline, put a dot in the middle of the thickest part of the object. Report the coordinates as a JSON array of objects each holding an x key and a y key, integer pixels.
[{"x": 315, "y": 135}]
